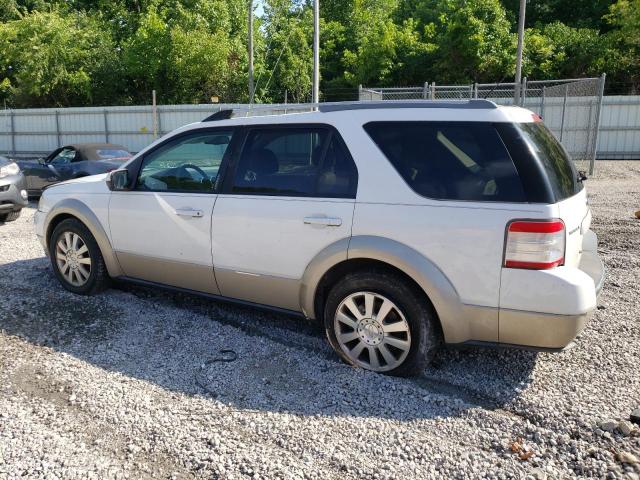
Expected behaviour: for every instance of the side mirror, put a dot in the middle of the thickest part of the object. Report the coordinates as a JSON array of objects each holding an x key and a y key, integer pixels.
[
  {"x": 118, "y": 180},
  {"x": 41, "y": 161}
]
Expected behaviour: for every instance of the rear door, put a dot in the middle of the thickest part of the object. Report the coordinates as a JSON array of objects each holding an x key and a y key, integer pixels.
[
  {"x": 161, "y": 230},
  {"x": 290, "y": 194}
]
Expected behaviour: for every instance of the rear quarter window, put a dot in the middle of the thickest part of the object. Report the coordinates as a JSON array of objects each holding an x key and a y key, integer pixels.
[
  {"x": 558, "y": 167},
  {"x": 450, "y": 160}
]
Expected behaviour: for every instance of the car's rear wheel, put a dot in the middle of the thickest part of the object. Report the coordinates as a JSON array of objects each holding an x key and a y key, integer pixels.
[
  {"x": 378, "y": 321},
  {"x": 76, "y": 258},
  {"x": 10, "y": 217}
]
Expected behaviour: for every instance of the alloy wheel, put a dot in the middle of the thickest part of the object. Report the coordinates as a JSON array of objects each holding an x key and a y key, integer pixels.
[
  {"x": 73, "y": 258},
  {"x": 372, "y": 331}
]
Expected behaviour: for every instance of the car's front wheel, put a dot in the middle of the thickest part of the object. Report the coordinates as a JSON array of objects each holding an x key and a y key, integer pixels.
[
  {"x": 76, "y": 258},
  {"x": 378, "y": 321},
  {"x": 10, "y": 217}
]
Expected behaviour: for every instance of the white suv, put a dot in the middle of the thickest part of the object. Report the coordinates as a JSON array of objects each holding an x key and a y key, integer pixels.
[{"x": 400, "y": 225}]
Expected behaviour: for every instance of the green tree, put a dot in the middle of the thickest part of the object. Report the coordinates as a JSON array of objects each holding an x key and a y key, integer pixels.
[
  {"x": 187, "y": 54},
  {"x": 574, "y": 13},
  {"x": 288, "y": 62},
  {"x": 473, "y": 39},
  {"x": 54, "y": 60},
  {"x": 624, "y": 60},
  {"x": 560, "y": 51}
]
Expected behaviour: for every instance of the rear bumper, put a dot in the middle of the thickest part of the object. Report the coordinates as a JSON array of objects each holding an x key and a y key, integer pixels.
[
  {"x": 544, "y": 331},
  {"x": 590, "y": 262},
  {"x": 559, "y": 302}
]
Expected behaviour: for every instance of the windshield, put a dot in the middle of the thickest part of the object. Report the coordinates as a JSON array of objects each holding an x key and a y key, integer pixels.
[{"x": 559, "y": 168}]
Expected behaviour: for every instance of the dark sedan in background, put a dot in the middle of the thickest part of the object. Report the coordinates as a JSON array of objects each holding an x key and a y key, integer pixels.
[{"x": 72, "y": 161}]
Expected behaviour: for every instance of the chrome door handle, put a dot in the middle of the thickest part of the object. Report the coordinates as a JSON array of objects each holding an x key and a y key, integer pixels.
[
  {"x": 188, "y": 212},
  {"x": 326, "y": 221}
]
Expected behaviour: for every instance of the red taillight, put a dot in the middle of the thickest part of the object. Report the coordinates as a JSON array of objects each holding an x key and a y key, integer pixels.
[{"x": 535, "y": 244}]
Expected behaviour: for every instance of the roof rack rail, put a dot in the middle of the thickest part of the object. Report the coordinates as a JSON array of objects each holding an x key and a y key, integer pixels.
[{"x": 474, "y": 104}]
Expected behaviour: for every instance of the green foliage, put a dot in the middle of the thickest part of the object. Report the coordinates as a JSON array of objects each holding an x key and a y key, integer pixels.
[
  {"x": 473, "y": 40},
  {"x": 574, "y": 13},
  {"x": 290, "y": 55},
  {"x": 624, "y": 38},
  {"x": 559, "y": 51},
  {"x": 92, "y": 52},
  {"x": 52, "y": 60}
]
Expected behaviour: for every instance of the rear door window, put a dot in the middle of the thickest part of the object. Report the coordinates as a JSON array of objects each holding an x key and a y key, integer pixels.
[
  {"x": 450, "y": 160},
  {"x": 295, "y": 161}
]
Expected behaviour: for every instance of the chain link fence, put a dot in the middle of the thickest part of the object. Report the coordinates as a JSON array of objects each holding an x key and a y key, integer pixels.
[{"x": 570, "y": 107}]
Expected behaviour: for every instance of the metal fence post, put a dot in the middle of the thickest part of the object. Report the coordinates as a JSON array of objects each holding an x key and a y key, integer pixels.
[
  {"x": 360, "y": 92},
  {"x": 159, "y": 121},
  {"x": 425, "y": 90},
  {"x": 564, "y": 109},
  {"x": 13, "y": 132},
  {"x": 106, "y": 126},
  {"x": 154, "y": 114},
  {"x": 433, "y": 91},
  {"x": 542, "y": 99},
  {"x": 475, "y": 90},
  {"x": 592, "y": 162},
  {"x": 58, "y": 128},
  {"x": 523, "y": 97}
]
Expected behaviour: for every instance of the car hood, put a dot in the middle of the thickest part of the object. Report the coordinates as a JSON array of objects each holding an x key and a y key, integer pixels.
[
  {"x": 90, "y": 184},
  {"x": 22, "y": 163}
]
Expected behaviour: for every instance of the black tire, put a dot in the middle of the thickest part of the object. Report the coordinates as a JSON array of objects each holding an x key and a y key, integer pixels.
[
  {"x": 416, "y": 308},
  {"x": 10, "y": 217},
  {"x": 98, "y": 279}
]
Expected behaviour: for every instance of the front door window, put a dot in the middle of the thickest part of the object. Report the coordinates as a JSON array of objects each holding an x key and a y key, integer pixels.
[{"x": 190, "y": 164}]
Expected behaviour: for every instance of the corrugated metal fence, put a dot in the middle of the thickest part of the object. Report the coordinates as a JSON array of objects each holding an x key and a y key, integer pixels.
[{"x": 35, "y": 132}]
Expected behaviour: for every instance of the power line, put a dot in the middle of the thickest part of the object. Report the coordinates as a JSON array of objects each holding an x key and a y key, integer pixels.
[
  {"x": 286, "y": 44},
  {"x": 266, "y": 54}
]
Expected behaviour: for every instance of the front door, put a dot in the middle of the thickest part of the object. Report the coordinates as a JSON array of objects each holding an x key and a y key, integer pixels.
[
  {"x": 290, "y": 194},
  {"x": 161, "y": 229},
  {"x": 40, "y": 175}
]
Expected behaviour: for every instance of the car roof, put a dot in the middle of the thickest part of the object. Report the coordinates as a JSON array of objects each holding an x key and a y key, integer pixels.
[
  {"x": 347, "y": 114},
  {"x": 363, "y": 112}
]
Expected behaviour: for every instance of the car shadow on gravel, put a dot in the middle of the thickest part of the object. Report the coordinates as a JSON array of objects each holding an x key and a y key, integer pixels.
[{"x": 244, "y": 358}]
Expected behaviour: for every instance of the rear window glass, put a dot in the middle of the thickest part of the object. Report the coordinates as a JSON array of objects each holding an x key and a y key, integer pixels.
[
  {"x": 559, "y": 168},
  {"x": 450, "y": 160}
]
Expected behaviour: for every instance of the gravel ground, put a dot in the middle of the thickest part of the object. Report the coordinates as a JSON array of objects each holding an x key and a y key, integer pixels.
[{"x": 128, "y": 384}]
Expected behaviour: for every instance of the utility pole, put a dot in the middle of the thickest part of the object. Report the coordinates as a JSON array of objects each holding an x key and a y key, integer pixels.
[
  {"x": 250, "y": 47},
  {"x": 516, "y": 90},
  {"x": 316, "y": 52}
]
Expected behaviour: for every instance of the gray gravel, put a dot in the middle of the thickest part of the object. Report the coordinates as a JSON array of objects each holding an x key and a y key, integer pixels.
[{"x": 126, "y": 384}]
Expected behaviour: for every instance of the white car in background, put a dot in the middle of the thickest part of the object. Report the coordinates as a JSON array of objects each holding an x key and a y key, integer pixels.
[{"x": 399, "y": 225}]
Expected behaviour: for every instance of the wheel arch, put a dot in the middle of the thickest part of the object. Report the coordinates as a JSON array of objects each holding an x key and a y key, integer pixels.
[
  {"x": 76, "y": 209},
  {"x": 362, "y": 252}
]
